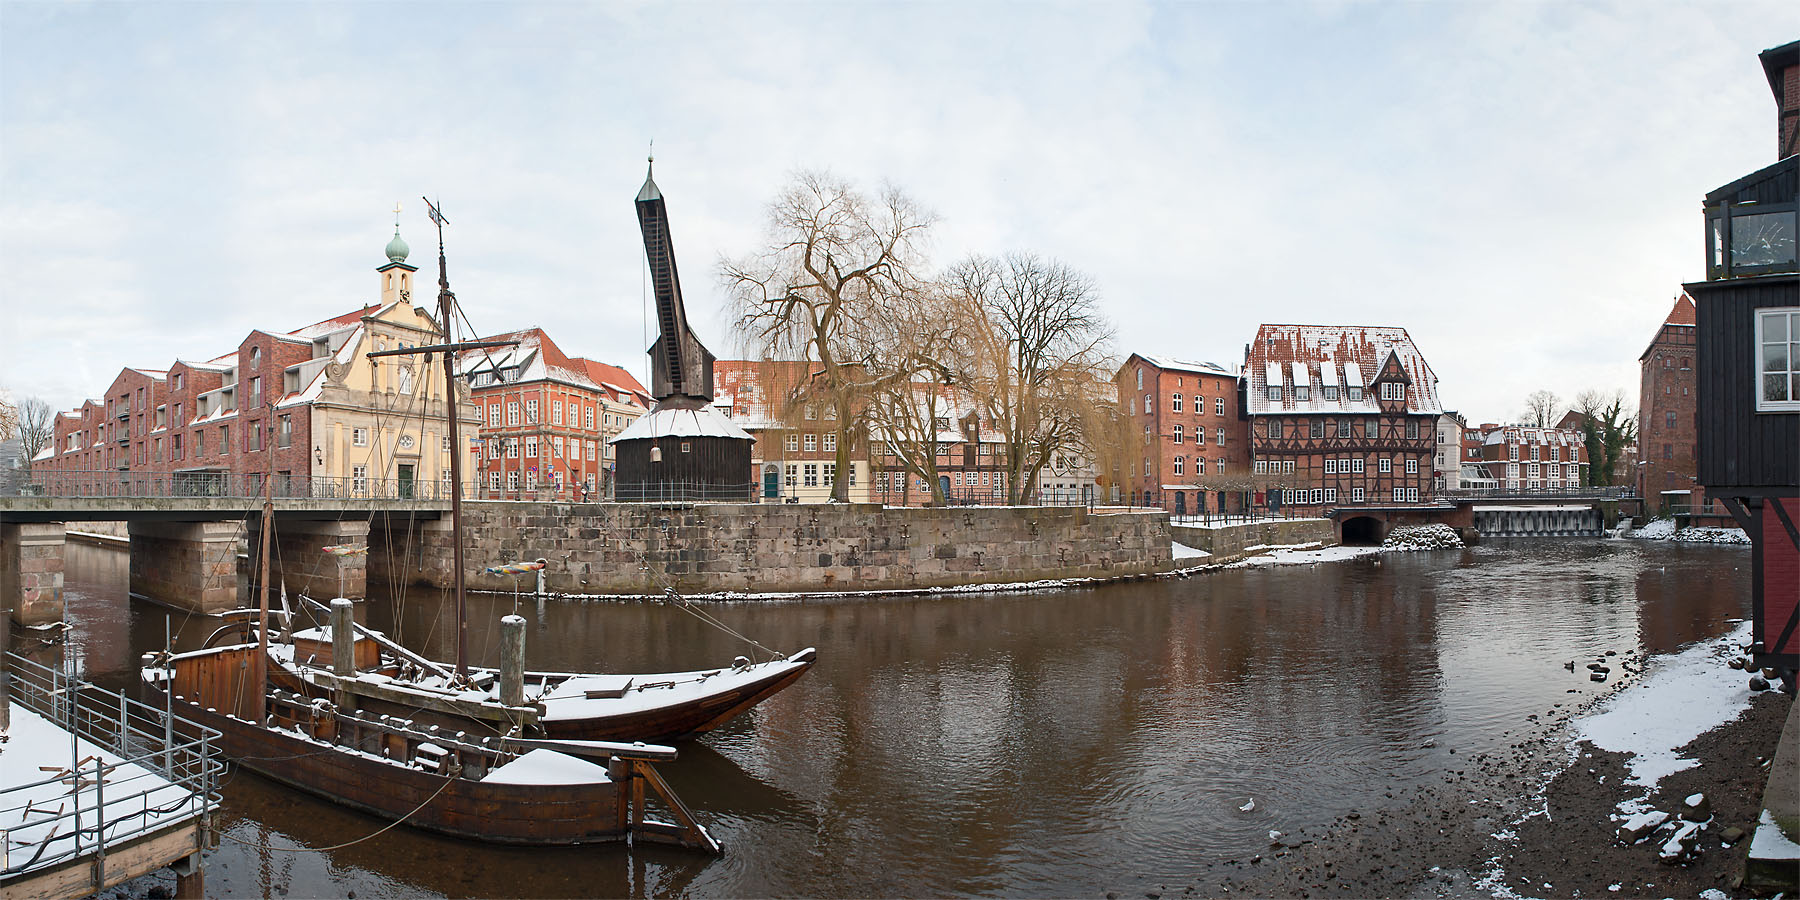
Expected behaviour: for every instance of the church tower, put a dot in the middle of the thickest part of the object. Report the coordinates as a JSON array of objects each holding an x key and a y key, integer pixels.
[{"x": 396, "y": 275}]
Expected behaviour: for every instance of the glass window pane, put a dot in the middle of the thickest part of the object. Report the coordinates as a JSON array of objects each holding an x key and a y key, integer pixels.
[
  {"x": 1775, "y": 387},
  {"x": 1762, "y": 240},
  {"x": 1775, "y": 357},
  {"x": 1795, "y": 391},
  {"x": 1775, "y": 328}
]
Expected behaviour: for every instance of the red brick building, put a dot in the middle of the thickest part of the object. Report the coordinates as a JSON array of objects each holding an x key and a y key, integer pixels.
[
  {"x": 795, "y": 450},
  {"x": 1196, "y": 451},
  {"x": 1346, "y": 414},
  {"x": 545, "y": 418},
  {"x": 1528, "y": 458},
  {"x": 1667, "y": 394}
]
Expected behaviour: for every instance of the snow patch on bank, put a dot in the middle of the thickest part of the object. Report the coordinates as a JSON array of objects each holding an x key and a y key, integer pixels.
[
  {"x": 1300, "y": 555},
  {"x": 1182, "y": 551},
  {"x": 1664, "y": 530},
  {"x": 1679, "y": 698}
]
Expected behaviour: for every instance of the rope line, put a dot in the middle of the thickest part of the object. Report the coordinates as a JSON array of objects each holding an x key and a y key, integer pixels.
[{"x": 267, "y": 846}]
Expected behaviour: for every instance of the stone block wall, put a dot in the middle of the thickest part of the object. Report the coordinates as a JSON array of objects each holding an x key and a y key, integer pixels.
[
  {"x": 1228, "y": 542},
  {"x": 31, "y": 572},
  {"x": 641, "y": 548},
  {"x": 187, "y": 565}
]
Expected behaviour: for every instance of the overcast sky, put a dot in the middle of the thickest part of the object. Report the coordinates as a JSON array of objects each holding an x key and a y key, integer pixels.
[{"x": 1516, "y": 184}]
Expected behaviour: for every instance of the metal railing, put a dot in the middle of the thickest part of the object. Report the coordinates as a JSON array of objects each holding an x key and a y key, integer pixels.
[
  {"x": 1607, "y": 492},
  {"x": 162, "y": 772},
  {"x": 224, "y": 485},
  {"x": 684, "y": 492}
]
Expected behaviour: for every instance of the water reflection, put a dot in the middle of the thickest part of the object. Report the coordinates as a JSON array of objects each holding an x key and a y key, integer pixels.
[{"x": 1046, "y": 743}]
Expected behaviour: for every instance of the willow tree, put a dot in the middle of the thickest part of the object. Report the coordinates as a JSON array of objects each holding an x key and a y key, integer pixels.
[
  {"x": 834, "y": 260},
  {"x": 1608, "y": 427},
  {"x": 1040, "y": 347}
]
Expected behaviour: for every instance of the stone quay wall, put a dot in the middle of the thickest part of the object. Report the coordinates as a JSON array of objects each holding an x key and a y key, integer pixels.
[
  {"x": 1227, "y": 543},
  {"x": 611, "y": 548}
]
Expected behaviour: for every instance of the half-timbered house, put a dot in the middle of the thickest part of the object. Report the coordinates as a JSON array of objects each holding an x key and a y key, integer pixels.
[{"x": 1345, "y": 414}]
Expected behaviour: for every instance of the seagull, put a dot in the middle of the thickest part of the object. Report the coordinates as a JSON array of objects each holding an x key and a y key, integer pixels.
[{"x": 1248, "y": 805}]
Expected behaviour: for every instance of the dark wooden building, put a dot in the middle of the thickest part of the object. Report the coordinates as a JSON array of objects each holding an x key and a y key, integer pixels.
[
  {"x": 1747, "y": 343},
  {"x": 684, "y": 450}
]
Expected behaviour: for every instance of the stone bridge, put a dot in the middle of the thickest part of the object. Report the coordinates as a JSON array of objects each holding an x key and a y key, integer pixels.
[
  {"x": 184, "y": 550},
  {"x": 1474, "y": 514}
]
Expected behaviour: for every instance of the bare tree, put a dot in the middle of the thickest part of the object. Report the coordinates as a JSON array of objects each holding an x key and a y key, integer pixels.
[
  {"x": 1608, "y": 427},
  {"x": 912, "y": 389},
  {"x": 9, "y": 418},
  {"x": 1037, "y": 347},
  {"x": 834, "y": 261},
  {"x": 36, "y": 428},
  {"x": 1541, "y": 408}
]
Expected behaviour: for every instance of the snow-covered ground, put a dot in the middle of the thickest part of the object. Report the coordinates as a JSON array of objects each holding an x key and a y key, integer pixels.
[
  {"x": 1300, "y": 555},
  {"x": 1679, "y": 698},
  {"x": 1664, "y": 530},
  {"x": 1183, "y": 551}
]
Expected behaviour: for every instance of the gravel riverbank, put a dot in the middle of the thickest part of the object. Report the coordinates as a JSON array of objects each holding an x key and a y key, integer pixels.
[{"x": 1541, "y": 819}]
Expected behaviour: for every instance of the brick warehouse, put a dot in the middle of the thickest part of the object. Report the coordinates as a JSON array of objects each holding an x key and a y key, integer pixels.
[
  {"x": 1347, "y": 413},
  {"x": 1667, "y": 393},
  {"x": 307, "y": 405},
  {"x": 1196, "y": 452}
]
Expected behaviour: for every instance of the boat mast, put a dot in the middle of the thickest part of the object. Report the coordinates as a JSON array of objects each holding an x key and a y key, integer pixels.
[
  {"x": 259, "y": 667},
  {"x": 446, "y": 304},
  {"x": 450, "y": 348}
]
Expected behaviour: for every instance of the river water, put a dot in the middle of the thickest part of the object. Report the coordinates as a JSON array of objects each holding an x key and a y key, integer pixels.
[{"x": 1061, "y": 742}]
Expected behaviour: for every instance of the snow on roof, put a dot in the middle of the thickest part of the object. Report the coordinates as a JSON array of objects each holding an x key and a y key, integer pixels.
[
  {"x": 1204, "y": 368},
  {"x": 1362, "y": 348},
  {"x": 335, "y": 323},
  {"x": 706, "y": 422}
]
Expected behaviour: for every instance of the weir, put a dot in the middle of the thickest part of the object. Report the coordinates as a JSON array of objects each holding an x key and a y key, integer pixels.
[{"x": 1538, "y": 521}]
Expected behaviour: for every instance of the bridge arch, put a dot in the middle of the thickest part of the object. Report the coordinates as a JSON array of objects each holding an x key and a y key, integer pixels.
[{"x": 1362, "y": 530}]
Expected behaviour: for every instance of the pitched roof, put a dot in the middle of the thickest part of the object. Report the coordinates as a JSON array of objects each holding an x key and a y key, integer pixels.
[
  {"x": 1680, "y": 316},
  {"x": 1170, "y": 363},
  {"x": 1337, "y": 355}
]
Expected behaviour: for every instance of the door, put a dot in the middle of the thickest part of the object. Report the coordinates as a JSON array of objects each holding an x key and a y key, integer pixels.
[
  {"x": 771, "y": 482},
  {"x": 944, "y": 482},
  {"x": 1181, "y": 503},
  {"x": 405, "y": 482}
]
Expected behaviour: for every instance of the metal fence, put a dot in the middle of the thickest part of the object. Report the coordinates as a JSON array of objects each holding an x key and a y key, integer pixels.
[
  {"x": 163, "y": 772},
  {"x": 684, "y": 492},
  {"x": 227, "y": 485},
  {"x": 1608, "y": 492}
]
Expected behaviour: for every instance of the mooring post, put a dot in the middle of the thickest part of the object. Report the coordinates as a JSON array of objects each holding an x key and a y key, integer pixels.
[
  {"x": 343, "y": 638},
  {"x": 512, "y": 660}
]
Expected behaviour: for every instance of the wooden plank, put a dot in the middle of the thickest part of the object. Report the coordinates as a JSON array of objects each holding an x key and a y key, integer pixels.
[
  {"x": 492, "y": 712},
  {"x": 124, "y": 862}
]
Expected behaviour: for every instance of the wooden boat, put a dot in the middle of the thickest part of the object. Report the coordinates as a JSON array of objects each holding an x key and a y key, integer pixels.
[
  {"x": 658, "y": 707},
  {"x": 502, "y": 788},
  {"x": 486, "y": 788}
]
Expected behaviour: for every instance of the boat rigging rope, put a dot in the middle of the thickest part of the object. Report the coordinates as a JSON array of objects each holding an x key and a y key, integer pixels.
[{"x": 266, "y": 846}]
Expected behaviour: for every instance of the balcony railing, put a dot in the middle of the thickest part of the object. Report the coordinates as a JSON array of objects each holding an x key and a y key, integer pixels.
[
  {"x": 229, "y": 485},
  {"x": 1610, "y": 492}
]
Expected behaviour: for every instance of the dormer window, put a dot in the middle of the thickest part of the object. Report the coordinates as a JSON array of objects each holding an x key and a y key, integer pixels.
[{"x": 1393, "y": 390}]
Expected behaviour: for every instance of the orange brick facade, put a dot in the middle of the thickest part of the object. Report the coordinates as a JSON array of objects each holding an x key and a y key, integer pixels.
[{"x": 1195, "y": 451}]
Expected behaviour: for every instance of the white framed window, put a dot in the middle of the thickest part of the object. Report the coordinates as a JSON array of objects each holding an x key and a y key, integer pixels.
[
  {"x": 1412, "y": 467},
  {"x": 512, "y": 448},
  {"x": 531, "y": 411},
  {"x": 812, "y": 442},
  {"x": 359, "y": 479},
  {"x": 1555, "y": 454},
  {"x": 531, "y": 445},
  {"x": 830, "y": 474},
  {"x": 1331, "y": 466},
  {"x": 1384, "y": 465},
  {"x": 1356, "y": 466},
  {"x": 793, "y": 442},
  {"x": 494, "y": 480},
  {"x": 1535, "y": 450},
  {"x": 359, "y": 437},
  {"x": 1412, "y": 495},
  {"x": 1318, "y": 495},
  {"x": 828, "y": 442},
  {"x": 512, "y": 481},
  {"x": 493, "y": 449},
  {"x": 1778, "y": 359},
  {"x": 1200, "y": 465},
  {"x": 1531, "y": 470},
  {"x": 1180, "y": 462},
  {"x": 1287, "y": 467},
  {"x": 812, "y": 474},
  {"x": 1512, "y": 451},
  {"x": 555, "y": 413},
  {"x": 791, "y": 475},
  {"x": 1331, "y": 495},
  {"x": 1260, "y": 467},
  {"x": 512, "y": 412},
  {"x": 1219, "y": 406},
  {"x": 1356, "y": 495},
  {"x": 1574, "y": 472},
  {"x": 1393, "y": 390},
  {"x": 1175, "y": 403},
  {"x": 1399, "y": 495},
  {"x": 1148, "y": 404},
  {"x": 1274, "y": 393},
  {"x": 481, "y": 413},
  {"x": 1140, "y": 379},
  {"x": 1177, "y": 434}
]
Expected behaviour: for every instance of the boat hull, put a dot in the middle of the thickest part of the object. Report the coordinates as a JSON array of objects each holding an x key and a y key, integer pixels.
[{"x": 661, "y": 725}]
